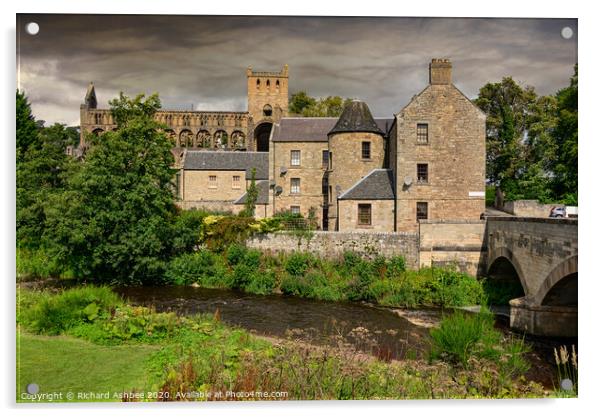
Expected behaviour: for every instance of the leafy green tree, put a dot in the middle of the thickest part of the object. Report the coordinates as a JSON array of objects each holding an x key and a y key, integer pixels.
[
  {"x": 27, "y": 128},
  {"x": 42, "y": 172},
  {"x": 331, "y": 106},
  {"x": 300, "y": 101},
  {"x": 252, "y": 195},
  {"x": 113, "y": 223},
  {"x": 565, "y": 137}
]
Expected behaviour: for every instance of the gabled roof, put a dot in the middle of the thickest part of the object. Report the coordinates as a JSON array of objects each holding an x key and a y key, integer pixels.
[
  {"x": 263, "y": 188},
  {"x": 229, "y": 161},
  {"x": 314, "y": 129},
  {"x": 377, "y": 185},
  {"x": 356, "y": 117}
]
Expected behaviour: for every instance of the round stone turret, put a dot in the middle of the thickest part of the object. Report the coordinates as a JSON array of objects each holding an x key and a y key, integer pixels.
[{"x": 357, "y": 146}]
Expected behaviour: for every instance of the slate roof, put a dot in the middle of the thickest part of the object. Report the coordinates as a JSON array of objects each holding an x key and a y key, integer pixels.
[
  {"x": 263, "y": 188},
  {"x": 356, "y": 117},
  {"x": 377, "y": 185},
  {"x": 229, "y": 161},
  {"x": 314, "y": 129}
]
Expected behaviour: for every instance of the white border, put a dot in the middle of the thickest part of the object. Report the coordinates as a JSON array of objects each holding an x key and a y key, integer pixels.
[{"x": 590, "y": 65}]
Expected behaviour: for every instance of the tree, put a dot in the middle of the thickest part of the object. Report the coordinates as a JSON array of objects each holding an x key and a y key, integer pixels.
[
  {"x": 113, "y": 222},
  {"x": 300, "y": 101},
  {"x": 27, "y": 128},
  {"x": 565, "y": 137},
  {"x": 252, "y": 195},
  {"x": 331, "y": 106},
  {"x": 42, "y": 172}
]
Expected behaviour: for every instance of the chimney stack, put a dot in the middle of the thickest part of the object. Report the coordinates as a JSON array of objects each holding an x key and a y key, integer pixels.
[{"x": 440, "y": 71}]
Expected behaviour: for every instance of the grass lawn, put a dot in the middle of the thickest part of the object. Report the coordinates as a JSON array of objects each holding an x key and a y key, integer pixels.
[{"x": 66, "y": 364}]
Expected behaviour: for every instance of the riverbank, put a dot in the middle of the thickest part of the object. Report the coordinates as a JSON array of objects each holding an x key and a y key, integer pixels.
[{"x": 202, "y": 354}]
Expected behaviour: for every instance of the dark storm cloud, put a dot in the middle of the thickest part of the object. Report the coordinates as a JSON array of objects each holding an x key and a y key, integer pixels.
[{"x": 200, "y": 61}]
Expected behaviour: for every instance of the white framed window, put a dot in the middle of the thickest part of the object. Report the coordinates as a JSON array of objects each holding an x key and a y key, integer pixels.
[
  {"x": 422, "y": 133},
  {"x": 236, "y": 181},
  {"x": 212, "y": 181},
  {"x": 295, "y": 158},
  {"x": 295, "y": 185},
  {"x": 296, "y": 209}
]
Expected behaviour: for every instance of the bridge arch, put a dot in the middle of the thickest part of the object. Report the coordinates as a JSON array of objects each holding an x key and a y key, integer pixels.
[
  {"x": 565, "y": 273},
  {"x": 496, "y": 259}
]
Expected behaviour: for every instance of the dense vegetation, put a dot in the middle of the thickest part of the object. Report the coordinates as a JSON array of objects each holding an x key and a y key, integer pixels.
[
  {"x": 199, "y": 354},
  {"x": 382, "y": 281},
  {"x": 532, "y": 143}
]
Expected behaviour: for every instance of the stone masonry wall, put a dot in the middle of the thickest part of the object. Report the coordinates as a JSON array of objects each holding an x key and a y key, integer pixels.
[
  {"x": 529, "y": 208},
  {"x": 459, "y": 243},
  {"x": 334, "y": 244},
  {"x": 455, "y": 154},
  {"x": 382, "y": 215},
  {"x": 310, "y": 172}
]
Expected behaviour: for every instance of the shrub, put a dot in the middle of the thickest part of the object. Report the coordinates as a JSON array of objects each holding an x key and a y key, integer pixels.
[
  {"x": 261, "y": 282},
  {"x": 462, "y": 335},
  {"x": 53, "y": 314},
  {"x": 396, "y": 266},
  {"x": 186, "y": 230},
  {"x": 203, "y": 267},
  {"x": 500, "y": 292},
  {"x": 297, "y": 263},
  {"x": 34, "y": 264},
  {"x": 456, "y": 288}
]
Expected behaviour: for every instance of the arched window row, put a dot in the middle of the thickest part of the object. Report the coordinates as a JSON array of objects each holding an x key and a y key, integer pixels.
[{"x": 219, "y": 139}]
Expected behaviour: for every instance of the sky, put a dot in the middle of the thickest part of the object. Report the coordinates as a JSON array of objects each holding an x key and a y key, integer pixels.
[{"x": 200, "y": 62}]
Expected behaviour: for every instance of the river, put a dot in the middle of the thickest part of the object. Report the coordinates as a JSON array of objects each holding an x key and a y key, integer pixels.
[{"x": 383, "y": 332}]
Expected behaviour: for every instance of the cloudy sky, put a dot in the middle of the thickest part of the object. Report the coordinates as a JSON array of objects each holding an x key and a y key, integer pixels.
[{"x": 200, "y": 61}]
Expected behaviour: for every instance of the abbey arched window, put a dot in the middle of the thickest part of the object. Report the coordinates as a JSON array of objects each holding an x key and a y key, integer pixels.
[
  {"x": 204, "y": 139},
  {"x": 258, "y": 84},
  {"x": 277, "y": 85},
  {"x": 267, "y": 110},
  {"x": 220, "y": 139},
  {"x": 238, "y": 139},
  {"x": 268, "y": 84},
  {"x": 186, "y": 138}
]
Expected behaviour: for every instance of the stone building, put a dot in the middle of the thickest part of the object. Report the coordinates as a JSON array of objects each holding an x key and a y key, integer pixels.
[
  {"x": 267, "y": 94},
  {"x": 355, "y": 172}
]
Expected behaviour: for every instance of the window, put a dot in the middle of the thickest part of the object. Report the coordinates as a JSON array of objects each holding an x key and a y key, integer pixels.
[
  {"x": 267, "y": 110},
  {"x": 364, "y": 214},
  {"x": 296, "y": 209},
  {"x": 325, "y": 159},
  {"x": 422, "y": 133},
  {"x": 330, "y": 193},
  {"x": 422, "y": 211},
  {"x": 295, "y": 185},
  {"x": 422, "y": 173},
  {"x": 324, "y": 186},
  {"x": 236, "y": 181},
  {"x": 258, "y": 83},
  {"x": 212, "y": 181},
  {"x": 277, "y": 85},
  {"x": 330, "y": 160},
  {"x": 365, "y": 150},
  {"x": 295, "y": 158}
]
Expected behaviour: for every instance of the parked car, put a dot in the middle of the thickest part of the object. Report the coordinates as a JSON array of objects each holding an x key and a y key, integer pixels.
[{"x": 558, "y": 212}]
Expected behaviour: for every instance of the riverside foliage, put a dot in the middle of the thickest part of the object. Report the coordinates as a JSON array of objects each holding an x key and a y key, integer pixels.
[
  {"x": 383, "y": 281},
  {"x": 192, "y": 354}
]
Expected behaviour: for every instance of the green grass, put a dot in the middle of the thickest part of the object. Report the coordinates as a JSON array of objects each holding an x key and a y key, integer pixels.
[{"x": 66, "y": 364}]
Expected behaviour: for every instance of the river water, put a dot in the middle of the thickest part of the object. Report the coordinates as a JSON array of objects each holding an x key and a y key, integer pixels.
[{"x": 383, "y": 332}]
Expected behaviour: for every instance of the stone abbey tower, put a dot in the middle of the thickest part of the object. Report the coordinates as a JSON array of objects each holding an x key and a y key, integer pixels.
[{"x": 267, "y": 99}]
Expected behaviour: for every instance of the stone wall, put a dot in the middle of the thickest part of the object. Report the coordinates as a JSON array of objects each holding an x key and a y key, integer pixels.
[
  {"x": 334, "y": 244},
  {"x": 529, "y": 208},
  {"x": 310, "y": 172},
  {"x": 459, "y": 243},
  {"x": 382, "y": 215}
]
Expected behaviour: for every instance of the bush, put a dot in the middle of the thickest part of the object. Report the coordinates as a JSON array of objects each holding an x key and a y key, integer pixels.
[
  {"x": 203, "y": 267},
  {"x": 35, "y": 264},
  {"x": 297, "y": 263},
  {"x": 462, "y": 335},
  {"x": 261, "y": 282},
  {"x": 53, "y": 314},
  {"x": 500, "y": 292},
  {"x": 187, "y": 229},
  {"x": 396, "y": 266}
]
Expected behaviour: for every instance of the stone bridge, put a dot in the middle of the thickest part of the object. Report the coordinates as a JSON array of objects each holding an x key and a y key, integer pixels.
[{"x": 541, "y": 254}]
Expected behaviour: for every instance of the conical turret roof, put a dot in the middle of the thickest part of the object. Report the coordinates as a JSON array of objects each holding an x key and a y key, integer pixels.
[{"x": 356, "y": 117}]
